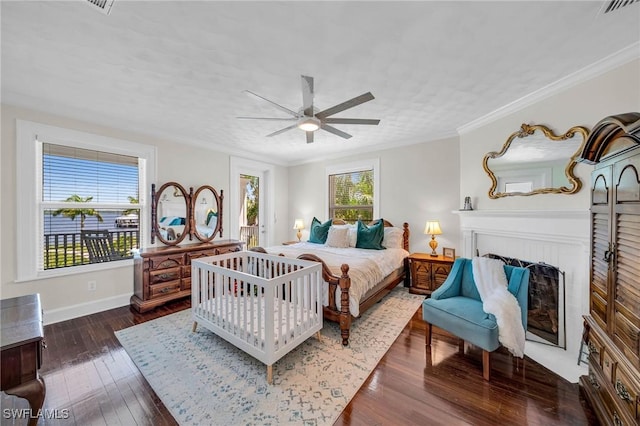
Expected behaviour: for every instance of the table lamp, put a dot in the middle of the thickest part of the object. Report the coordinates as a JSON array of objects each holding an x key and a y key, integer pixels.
[
  {"x": 433, "y": 228},
  {"x": 299, "y": 225}
]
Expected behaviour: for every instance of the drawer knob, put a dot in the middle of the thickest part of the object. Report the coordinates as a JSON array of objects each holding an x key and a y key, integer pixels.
[
  {"x": 622, "y": 392},
  {"x": 165, "y": 290}
]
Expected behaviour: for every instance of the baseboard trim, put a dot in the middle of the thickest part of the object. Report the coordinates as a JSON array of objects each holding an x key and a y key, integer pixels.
[{"x": 74, "y": 311}]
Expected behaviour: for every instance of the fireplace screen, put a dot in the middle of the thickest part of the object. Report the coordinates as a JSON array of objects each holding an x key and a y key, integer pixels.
[{"x": 545, "y": 319}]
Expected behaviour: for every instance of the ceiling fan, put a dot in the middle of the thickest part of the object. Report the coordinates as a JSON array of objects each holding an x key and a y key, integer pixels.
[{"x": 310, "y": 120}]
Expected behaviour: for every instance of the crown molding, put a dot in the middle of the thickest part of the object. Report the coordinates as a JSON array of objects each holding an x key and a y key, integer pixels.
[{"x": 589, "y": 72}]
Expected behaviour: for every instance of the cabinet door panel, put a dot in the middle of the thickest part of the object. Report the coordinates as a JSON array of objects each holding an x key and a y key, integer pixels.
[
  {"x": 599, "y": 247},
  {"x": 440, "y": 274},
  {"x": 598, "y": 309},
  {"x": 627, "y": 335},
  {"x": 421, "y": 273}
]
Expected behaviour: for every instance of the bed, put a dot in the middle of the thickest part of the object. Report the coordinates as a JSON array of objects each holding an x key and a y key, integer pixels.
[
  {"x": 263, "y": 304},
  {"x": 352, "y": 284}
]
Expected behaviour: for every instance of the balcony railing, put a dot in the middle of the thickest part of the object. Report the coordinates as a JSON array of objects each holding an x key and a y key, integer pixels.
[
  {"x": 66, "y": 249},
  {"x": 249, "y": 234}
]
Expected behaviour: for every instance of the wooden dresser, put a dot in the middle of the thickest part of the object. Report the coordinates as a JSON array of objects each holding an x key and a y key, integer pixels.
[
  {"x": 612, "y": 328},
  {"x": 428, "y": 272},
  {"x": 162, "y": 274}
]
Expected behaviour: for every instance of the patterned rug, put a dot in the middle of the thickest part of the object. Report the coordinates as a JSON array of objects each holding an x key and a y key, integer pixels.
[{"x": 203, "y": 380}]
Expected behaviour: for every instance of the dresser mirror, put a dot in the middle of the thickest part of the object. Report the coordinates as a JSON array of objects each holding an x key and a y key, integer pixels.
[
  {"x": 534, "y": 160},
  {"x": 177, "y": 214},
  {"x": 206, "y": 208},
  {"x": 170, "y": 213}
]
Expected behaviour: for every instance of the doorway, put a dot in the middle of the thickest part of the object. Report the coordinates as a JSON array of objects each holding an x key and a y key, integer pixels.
[
  {"x": 251, "y": 203},
  {"x": 249, "y": 218}
]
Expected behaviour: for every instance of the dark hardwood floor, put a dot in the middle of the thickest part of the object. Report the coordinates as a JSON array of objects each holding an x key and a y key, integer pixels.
[{"x": 91, "y": 378}]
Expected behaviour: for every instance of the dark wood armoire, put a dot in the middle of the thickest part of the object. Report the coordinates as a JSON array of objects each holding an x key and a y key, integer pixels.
[{"x": 612, "y": 328}]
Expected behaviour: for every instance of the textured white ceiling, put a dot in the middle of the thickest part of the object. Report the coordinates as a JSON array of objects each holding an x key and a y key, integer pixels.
[{"x": 178, "y": 69}]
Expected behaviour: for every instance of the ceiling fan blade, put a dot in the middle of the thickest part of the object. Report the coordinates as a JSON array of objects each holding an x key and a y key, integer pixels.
[
  {"x": 351, "y": 121},
  {"x": 345, "y": 105},
  {"x": 293, "y": 126},
  {"x": 335, "y": 131},
  {"x": 280, "y": 107},
  {"x": 267, "y": 118},
  {"x": 309, "y": 137},
  {"x": 307, "y": 95}
]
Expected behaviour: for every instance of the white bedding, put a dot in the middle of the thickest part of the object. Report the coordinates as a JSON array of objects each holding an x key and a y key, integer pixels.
[{"x": 366, "y": 267}]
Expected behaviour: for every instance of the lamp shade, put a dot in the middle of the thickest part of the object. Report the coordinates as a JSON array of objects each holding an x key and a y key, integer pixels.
[
  {"x": 298, "y": 224},
  {"x": 432, "y": 228}
]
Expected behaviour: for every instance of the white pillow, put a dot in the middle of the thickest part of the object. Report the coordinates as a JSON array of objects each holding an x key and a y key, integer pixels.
[
  {"x": 338, "y": 237},
  {"x": 353, "y": 235},
  {"x": 393, "y": 237}
]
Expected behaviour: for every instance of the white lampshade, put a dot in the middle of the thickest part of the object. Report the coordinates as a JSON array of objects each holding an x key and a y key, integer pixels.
[
  {"x": 432, "y": 228},
  {"x": 298, "y": 224}
]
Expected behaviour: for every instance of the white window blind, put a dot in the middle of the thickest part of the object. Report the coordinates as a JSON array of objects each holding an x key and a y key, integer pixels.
[{"x": 87, "y": 190}]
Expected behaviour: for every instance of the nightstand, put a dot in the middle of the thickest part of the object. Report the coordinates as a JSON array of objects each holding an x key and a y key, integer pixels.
[
  {"x": 288, "y": 243},
  {"x": 428, "y": 272}
]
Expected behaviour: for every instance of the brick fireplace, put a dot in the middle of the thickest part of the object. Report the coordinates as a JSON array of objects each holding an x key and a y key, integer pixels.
[{"x": 559, "y": 238}]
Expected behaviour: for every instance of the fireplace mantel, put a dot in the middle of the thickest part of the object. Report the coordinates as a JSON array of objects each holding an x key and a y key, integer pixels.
[{"x": 567, "y": 214}]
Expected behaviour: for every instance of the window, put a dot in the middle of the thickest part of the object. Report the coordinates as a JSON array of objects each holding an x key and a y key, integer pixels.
[
  {"x": 353, "y": 191},
  {"x": 85, "y": 203}
]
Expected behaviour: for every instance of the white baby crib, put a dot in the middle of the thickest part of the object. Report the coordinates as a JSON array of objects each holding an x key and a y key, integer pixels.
[{"x": 265, "y": 305}]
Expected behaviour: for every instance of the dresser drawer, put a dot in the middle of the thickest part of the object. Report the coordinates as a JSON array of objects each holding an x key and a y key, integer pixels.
[
  {"x": 164, "y": 275},
  {"x": 628, "y": 390},
  {"x": 228, "y": 249},
  {"x": 166, "y": 262},
  {"x": 162, "y": 289}
]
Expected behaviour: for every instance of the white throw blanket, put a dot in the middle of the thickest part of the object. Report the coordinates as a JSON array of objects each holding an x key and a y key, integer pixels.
[{"x": 492, "y": 284}]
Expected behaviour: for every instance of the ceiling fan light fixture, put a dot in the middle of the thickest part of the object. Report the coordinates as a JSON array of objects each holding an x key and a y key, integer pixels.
[{"x": 309, "y": 124}]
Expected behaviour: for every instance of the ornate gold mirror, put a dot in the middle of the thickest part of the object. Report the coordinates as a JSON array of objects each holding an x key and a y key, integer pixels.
[
  {"x": 170, "y": 213},
  {"x": 207, "y": 213},
  {"x": 534, "y": 160}
]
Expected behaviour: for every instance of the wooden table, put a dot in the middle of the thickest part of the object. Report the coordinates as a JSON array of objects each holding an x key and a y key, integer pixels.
[{"x": 22, "y": 341}]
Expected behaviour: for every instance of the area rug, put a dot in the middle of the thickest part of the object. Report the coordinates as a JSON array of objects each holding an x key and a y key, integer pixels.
[{"x": 203, "y": 380}]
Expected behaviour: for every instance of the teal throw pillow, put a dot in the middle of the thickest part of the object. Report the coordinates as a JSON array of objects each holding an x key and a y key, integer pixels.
[
  {"x": 210, "y": 215},
  {"x": 319, "y": 231},
  {"x": 370, "y": 237}
]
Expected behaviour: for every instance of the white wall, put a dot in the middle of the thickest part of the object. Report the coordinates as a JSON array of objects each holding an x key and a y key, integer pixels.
[
  {"x": 418, "y": 182},
  {"x": 67, "y": 297}
]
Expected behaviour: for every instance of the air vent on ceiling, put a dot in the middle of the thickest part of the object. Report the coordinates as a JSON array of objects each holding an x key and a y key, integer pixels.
[
  {"x": 612, "y": 5},
  {"x": 103, "y": 6}
]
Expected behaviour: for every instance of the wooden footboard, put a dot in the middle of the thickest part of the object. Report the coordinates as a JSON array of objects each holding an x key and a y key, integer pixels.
[{"x": 332, "y": 312}]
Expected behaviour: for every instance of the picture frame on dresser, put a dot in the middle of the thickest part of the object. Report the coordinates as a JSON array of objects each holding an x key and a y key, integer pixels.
[{"x": 448, "y": 252}]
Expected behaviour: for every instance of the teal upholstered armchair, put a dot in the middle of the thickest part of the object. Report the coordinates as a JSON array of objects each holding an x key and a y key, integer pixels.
[{"x": 457, "y": 308}]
